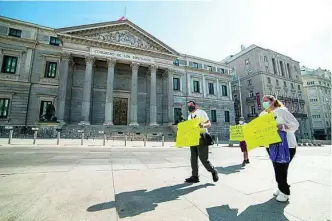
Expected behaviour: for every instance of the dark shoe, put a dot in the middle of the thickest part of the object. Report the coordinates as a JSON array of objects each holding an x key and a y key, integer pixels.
[
  {"x": 215, "y": 176},
  {"x": 247, "y": 161},
  {"x": 192, "y": 179},
  {"x": 243, "y": 163}
]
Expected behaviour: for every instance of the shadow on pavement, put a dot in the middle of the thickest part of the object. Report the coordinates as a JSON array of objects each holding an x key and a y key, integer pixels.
[
  {"x": 133, "y": 203},
  {"x": 270, "y": 210},
  {"x": 230, "y": 169}
]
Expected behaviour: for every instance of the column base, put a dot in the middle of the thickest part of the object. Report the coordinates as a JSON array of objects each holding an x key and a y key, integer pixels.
[
  {"x": 82, "y": 123},
  {"x": 108, "y": 124},
  {"x": 134, "y": 124},
  {"x": 154, "y": 125}
]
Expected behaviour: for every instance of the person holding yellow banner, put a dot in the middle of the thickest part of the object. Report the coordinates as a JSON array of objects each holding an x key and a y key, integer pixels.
[
  {"x": 243, "y": 146},
  {"x": 286, "y": 124},
  {"x": 202, "y": 150}
]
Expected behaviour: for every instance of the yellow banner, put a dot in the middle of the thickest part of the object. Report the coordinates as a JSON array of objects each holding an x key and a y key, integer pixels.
[
  {"x": 188, "y": 133},
  {"x": 261, "y": 131},
  {"x": 236, "y": 133}
]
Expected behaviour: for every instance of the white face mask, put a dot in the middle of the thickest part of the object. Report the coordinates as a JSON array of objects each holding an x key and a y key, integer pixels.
[{"x": 241, "y": 122}]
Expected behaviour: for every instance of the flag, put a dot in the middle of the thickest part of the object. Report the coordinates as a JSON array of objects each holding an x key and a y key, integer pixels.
[{"x": 122, "y": 18}]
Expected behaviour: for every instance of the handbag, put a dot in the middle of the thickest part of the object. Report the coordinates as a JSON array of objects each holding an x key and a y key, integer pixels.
[
  {"x": 279, "y": 152},
  {"x": 207, "y": 139}
]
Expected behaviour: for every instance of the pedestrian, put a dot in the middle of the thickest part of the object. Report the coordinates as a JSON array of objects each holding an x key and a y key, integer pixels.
[
  {"x": 202, "y": 150},
  {"x": 243, "y": 146},
  {"x": 285, "y": 122}
]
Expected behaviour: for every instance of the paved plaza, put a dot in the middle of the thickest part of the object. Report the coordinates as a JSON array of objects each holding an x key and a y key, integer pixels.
[{"x": 76, "y": 183}]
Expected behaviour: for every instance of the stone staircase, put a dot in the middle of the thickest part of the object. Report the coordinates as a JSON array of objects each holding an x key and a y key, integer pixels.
[{"x": 117, "y": 132}]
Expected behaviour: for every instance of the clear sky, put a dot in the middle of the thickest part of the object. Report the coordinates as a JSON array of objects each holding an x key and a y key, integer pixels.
[{"x": 301, "y": 29}]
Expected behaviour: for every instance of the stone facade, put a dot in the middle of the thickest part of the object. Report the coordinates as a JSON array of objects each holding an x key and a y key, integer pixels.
[
  {"x": 262, "y": 71},
  {"x": 110, "y": 74},
  {"x": 317, "y": 91}
]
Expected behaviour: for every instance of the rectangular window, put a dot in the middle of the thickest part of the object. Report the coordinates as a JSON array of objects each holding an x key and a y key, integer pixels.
[
  {"x": 282, "y": 68},
  {"x": 15, "y": 32},
  {"x": 224, "y": 90},
  {"x": 274, "y": 66},
  {"x": 251, "y": 94},
  {"x": 209, "y": 68},
  {"x": 43, "y": 106},
  {"x": 265, "y": 58},
  {"x": 289, "y": 71},
  {"x": 195, "y": 65},
  {"x": 285, "y": 84},
  {"x": 4, "y": 107},
  {"x": 177, "y": 114},
  {"x": 176, "y": 62},
  {"x": 213, "y": 116},
  {"x": 247, "y": 61},
  {"x": 211, "y": 88},
  {"x": 196, "y": 87},
  {"x": 176, "y": 84},
  {"x": 249, "y": 82},
  {"x": 54, "y": 41},
  {"x": 227, "y": 116},
  {"x": 253, "y": 110},
  {"x": 9, "y": 64},
  {"x": 50, "y": 70}
]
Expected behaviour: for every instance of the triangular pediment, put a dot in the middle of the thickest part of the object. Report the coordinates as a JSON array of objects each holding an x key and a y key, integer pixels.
[{"x": 123, "y": 33}]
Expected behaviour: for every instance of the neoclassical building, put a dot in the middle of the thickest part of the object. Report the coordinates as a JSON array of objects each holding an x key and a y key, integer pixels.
[{"x": 111, "y": 74}]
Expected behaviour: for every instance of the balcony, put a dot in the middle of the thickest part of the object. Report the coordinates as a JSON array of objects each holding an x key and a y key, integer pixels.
[
  {"x": 300, "y": 115},
  {"x": 252, "y": 115},
  {"x": 248, "y": 99}
]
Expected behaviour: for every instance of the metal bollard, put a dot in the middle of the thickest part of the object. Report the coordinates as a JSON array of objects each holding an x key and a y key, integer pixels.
[
  {"x": 125, "y": 140},
  {"x": 82, "y": 138},
  {"x": 104, "y": 142},
  {"x": 10, "y": 136},
  {"x": 162, "y": 140},
  {"x": 144, "y": 139},
  {"x": 217, "y": 141},
  {"x": 35, "y": 137},
  {"x": 58, "y": 138}
]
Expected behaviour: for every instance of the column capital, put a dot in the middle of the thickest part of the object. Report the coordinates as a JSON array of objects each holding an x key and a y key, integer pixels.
[
  {"x": 111, "y": 62},
  {"x": 65, "y": 56},
  {"x": 170, "y": 70},
  {"x": 89, "y": 59},
  {"x": 134, "y": 66},
  {"x": 153, "y": 67}
]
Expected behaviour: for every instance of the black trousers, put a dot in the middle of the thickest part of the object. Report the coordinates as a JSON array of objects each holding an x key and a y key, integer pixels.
[
  {"x": 201, "y": 151},
  {"x": 281, "y": 172}
]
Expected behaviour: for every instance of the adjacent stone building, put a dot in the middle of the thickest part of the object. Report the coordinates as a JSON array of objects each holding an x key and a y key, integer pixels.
[
  {"x": 108, "y": 75},
  {"x": 262, "y": 72},
  {"x": 317, "y": 90}
]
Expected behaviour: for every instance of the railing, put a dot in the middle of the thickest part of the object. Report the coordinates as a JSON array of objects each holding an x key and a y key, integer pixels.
[
  {"x": 300, "y": 115},
  {"x": 250, "y": 98}
]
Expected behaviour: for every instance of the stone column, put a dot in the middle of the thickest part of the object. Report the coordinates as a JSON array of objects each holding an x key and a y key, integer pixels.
[
  {"x": 153, "y": 96},
  {"x": 301, "y": 128},
  {"x": 62, "y": 89},
  {"x": 204, "y": 87},
  {"x": 133, "y": 95},
  {"x": 109, "y": 92},
  {"x": 87, "y": 85},
  {"x": 218, "y": 89},
  {"x": 170, "y": 101}
]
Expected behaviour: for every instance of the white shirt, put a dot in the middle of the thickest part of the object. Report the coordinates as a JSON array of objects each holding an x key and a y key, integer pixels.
[
  {"x": 286, "y": 118},
  {"x": 202, "y": 115}
]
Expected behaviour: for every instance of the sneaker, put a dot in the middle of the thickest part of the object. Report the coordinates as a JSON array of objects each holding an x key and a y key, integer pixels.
[
  {"x": 247, "y": 161},
  {"x": 276, "y": 193},
  {"x": 282, "y": 197},
  {"x": 192, "y": 179},
  {"x": 215, "y": 176}
]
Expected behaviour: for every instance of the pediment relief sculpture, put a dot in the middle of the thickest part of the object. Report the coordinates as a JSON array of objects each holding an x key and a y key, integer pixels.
[{"x": 122, "y": 37}]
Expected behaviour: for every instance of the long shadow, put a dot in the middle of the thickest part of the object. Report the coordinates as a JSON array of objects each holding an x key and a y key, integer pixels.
[
  {"x": 133, "y": 203},
  {"x": 270, "y": 210},
  {"x": 230, "y": 169}
]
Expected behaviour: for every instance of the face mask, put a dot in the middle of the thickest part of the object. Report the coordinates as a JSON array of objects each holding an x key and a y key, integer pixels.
[
  {"x": 191, "y": 108},
  {"x": 241, "y": 122},
  {"x": 266, "y": 105}
]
